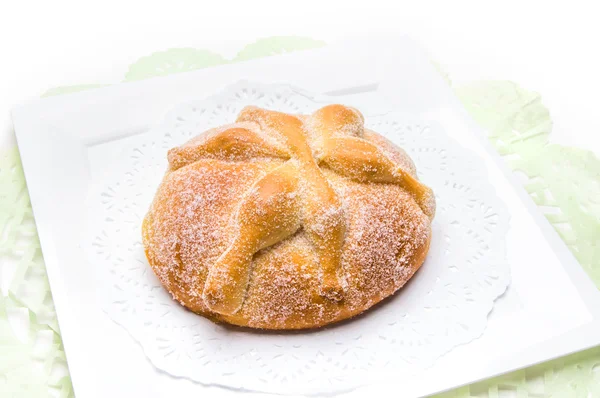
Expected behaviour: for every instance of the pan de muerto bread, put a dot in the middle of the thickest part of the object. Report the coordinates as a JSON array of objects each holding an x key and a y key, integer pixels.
[{"x": 283, "y": 221}]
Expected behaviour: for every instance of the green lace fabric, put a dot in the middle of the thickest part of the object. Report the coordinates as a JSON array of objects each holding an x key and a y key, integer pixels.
[{"x": 563, "y": 181}]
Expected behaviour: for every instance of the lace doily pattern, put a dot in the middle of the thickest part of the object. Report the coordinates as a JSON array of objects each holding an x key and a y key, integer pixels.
[{"x": 445, "y": 305}]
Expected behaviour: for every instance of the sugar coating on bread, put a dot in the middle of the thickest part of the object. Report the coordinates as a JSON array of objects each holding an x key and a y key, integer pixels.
[{"x": 287, "y": 221}]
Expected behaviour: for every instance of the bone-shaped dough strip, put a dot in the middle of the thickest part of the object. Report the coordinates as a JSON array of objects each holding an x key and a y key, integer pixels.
[{"x": 268, "y": 214}]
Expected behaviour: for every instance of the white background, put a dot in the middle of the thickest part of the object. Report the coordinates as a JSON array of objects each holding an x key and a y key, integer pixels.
[{"x": 548, "y": 48}]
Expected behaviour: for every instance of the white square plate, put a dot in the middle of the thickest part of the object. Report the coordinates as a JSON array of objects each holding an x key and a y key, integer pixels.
[{"x": 67, "y": 142}]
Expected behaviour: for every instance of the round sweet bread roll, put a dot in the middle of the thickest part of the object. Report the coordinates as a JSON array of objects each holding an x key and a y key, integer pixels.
[{"x": 282, "y": 221}]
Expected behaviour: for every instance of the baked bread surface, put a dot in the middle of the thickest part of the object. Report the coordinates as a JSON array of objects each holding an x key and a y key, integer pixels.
[{"x": 285, "y": 221}]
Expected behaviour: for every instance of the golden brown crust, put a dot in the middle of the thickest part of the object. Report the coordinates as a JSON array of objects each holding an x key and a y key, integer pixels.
[{"x": 284, "y": 228}]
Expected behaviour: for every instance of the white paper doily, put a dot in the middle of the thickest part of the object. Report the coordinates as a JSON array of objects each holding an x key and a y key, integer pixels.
[{"x": 444, "y": 305}]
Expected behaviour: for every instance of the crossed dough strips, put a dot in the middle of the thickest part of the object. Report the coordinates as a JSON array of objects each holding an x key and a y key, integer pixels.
[{"x": 296, "y": 194}]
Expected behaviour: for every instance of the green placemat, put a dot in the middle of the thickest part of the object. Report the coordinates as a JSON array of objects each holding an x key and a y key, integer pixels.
[{"x": 564, "y": 182}]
